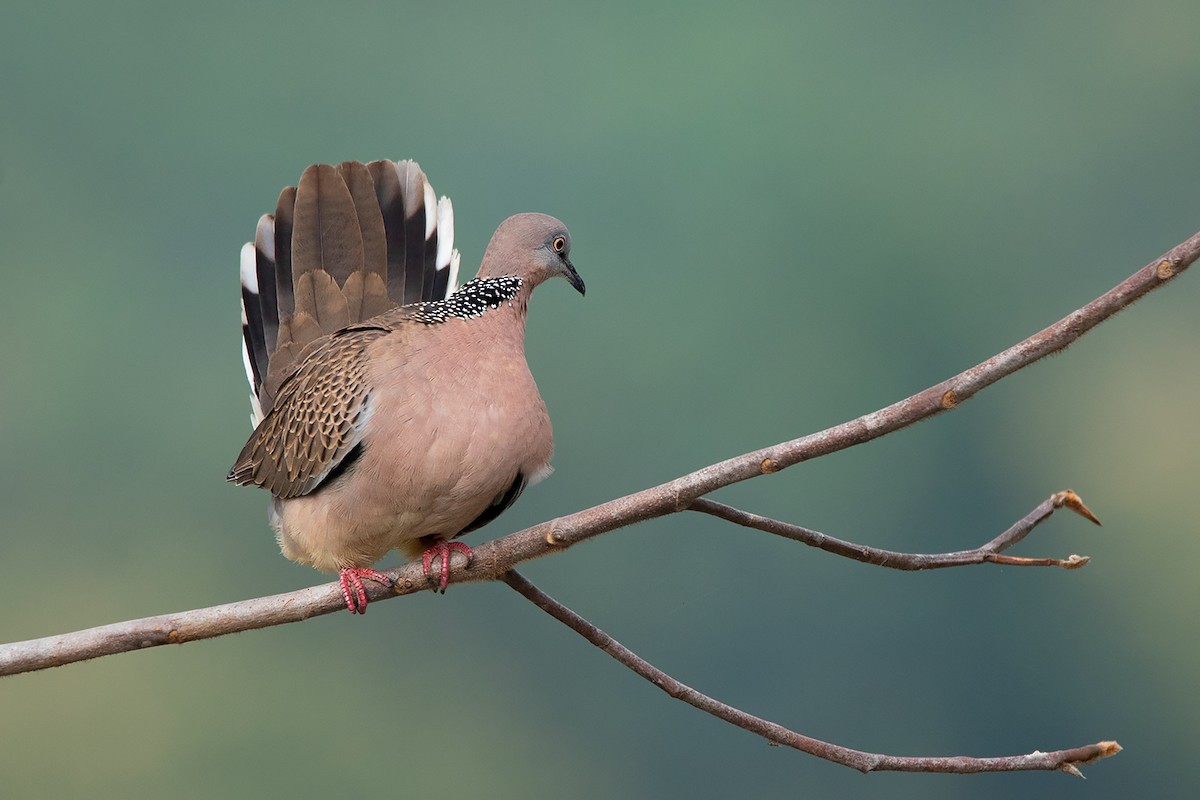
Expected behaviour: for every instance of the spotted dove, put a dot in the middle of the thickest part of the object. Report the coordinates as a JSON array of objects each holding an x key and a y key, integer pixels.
[{"x": 392, "y": 409}]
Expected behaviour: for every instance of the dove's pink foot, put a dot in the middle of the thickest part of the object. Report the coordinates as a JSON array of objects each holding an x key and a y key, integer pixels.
[
  {"x": 352, "y": 586},
  {"x": 442, "y": 551}
]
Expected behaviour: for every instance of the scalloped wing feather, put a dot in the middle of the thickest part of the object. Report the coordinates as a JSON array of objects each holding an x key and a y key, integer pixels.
[{"x": 319, "y": 417}]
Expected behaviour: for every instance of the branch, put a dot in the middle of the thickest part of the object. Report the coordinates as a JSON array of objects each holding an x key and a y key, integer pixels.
[
  {"x": 1065, "y": 760},
  {"x": 494, "y": 558},
  {"x": 988, "y": 553},
  {"x": 262, "y": 612}
]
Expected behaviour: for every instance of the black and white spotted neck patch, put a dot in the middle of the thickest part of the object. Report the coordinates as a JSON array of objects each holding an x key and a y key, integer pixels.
[{"x": 473, "y": 299}]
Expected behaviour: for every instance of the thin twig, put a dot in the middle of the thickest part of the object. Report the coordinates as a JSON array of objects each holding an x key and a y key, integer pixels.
[
  {"x": 1065, "y": 760},
  {"x": 988, "y": 553},
  {"x": 500, "y": 555}
]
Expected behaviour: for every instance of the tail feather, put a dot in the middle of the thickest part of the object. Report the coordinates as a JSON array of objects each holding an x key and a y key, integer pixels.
[
  {"x": 254, "y": 349},
  {"x": 285, "y": 299},
  {"x": 264, "y": 247},
  {"x": 428, "y": 214},
  {"x": 445, "y": 274},
  {"x": 346, "y": 245},
  {"x": 366, "y": 289},
  {"x": 326, "y": 236},
  {"x": 414, "y": 187},
  {"x": 389, "y": 195},
  {"x": 370, "y": 219}
]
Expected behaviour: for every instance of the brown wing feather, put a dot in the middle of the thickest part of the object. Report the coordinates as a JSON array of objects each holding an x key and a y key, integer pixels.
[{"x": 316, "y": 421}]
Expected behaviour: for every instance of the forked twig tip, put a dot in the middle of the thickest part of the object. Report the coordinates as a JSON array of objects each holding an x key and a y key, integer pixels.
[
  {"x": 1074, "y": 561},
  {"x": 1068, "y": 499}
]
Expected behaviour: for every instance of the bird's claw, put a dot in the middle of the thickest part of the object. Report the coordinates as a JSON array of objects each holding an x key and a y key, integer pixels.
[
  {"x": 441, "y": 551},
  {"x": 351, "y": 580}
]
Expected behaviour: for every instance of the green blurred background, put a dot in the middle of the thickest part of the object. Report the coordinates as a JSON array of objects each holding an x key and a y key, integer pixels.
[{"x": 787, "y": 215}]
